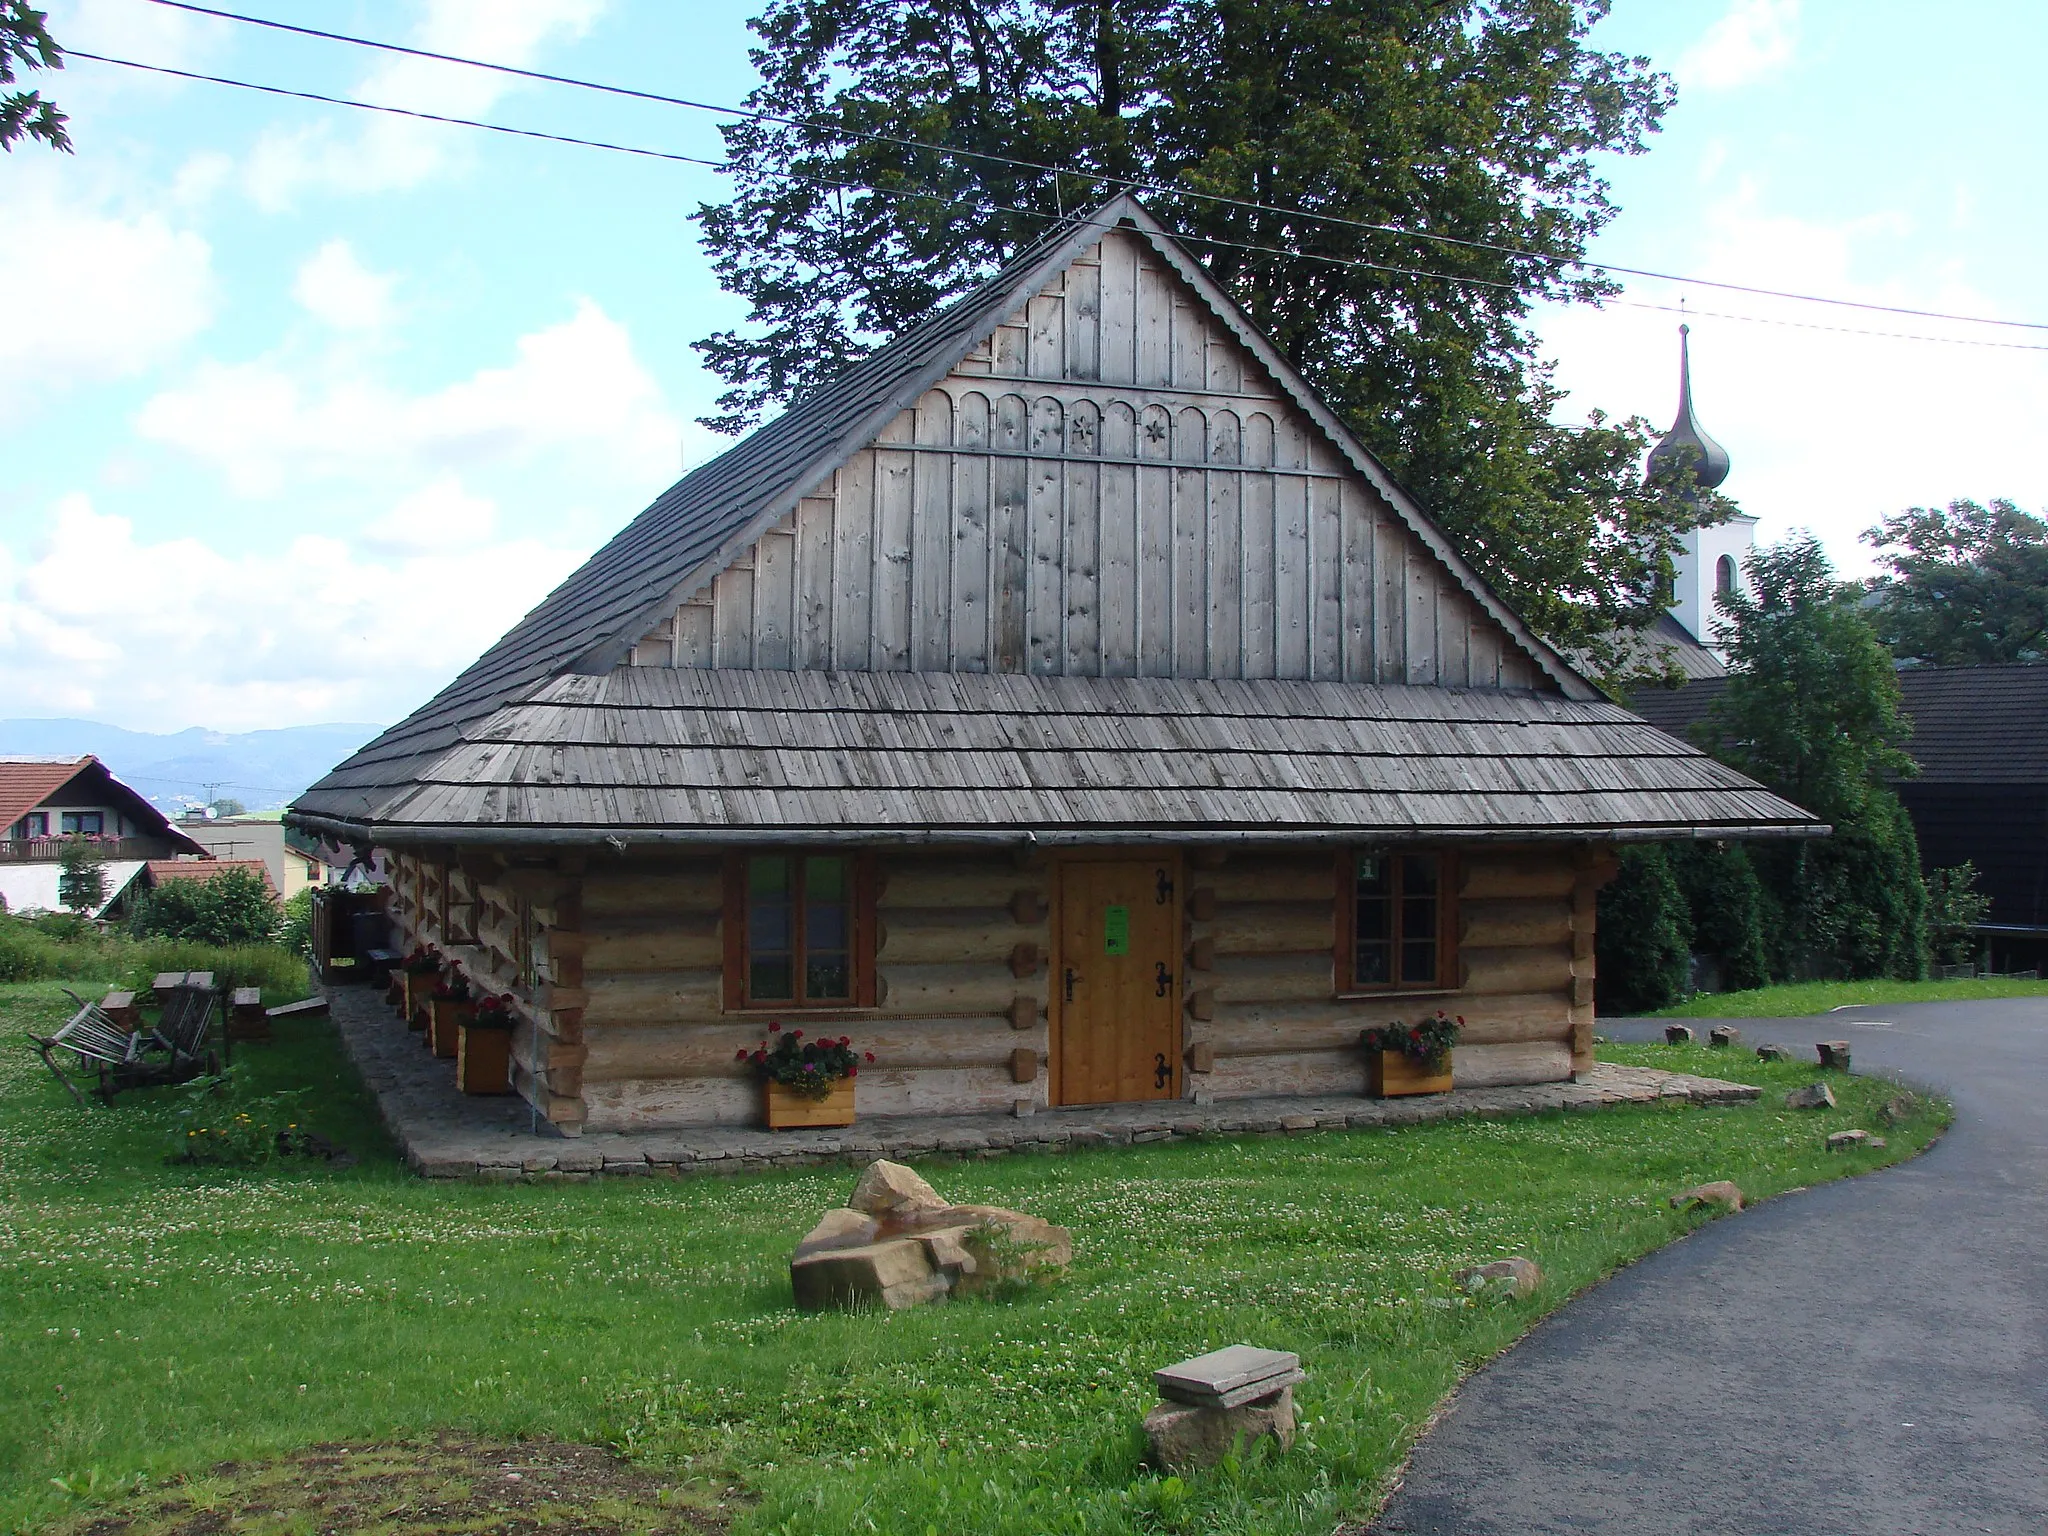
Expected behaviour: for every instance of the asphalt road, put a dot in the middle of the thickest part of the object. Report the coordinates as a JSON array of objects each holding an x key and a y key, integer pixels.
[{"x": 1866, "y": 1357}]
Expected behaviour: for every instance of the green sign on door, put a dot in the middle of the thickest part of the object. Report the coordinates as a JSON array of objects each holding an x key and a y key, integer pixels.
[{"x": 1116, "y": 931}]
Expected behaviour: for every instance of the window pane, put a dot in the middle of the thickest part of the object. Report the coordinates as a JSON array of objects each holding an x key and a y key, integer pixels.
[
  {"x": 771, "y": 931},
  {"x": 1373, "y": 917},
  {"x": 769, "y": 979},
  {"x": 1419, "y": 880},
  {"x": 767, "y": 877},
  {"x": 1370, "y": 968},
  {"x": 825, "y": 879},
  {"x": 1418, "y": 961},
  {"x": 827, "y": 978}
]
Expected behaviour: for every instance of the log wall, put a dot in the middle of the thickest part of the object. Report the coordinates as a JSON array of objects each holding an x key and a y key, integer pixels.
[{"x": 624, "y": 1026}]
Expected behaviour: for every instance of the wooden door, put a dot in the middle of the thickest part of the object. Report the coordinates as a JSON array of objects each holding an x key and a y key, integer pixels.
[{"x": 1117, "y": 984}]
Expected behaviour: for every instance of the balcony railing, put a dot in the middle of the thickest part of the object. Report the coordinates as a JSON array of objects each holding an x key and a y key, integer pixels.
[{"x": 47, "y": 850}]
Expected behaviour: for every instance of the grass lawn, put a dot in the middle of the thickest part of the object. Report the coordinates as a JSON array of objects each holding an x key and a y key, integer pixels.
[
  {"x": 162, "y": 1319},
  {"x": 1800, "y": 999}
]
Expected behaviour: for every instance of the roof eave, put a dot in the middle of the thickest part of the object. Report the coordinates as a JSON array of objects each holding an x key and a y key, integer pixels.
[{"x": 401, "y": 834}]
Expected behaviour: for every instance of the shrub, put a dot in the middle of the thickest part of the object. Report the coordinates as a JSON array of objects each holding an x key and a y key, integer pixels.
[
  {"x": 1644, "y": 938},
  {"x": 233, "y": 907},
  {"x": 27, "y": 954},
  {"x": 82, "y": 876},
  {"x": 1954, "y": 909},
  {"x": 295, "y": 927},
  {"x": 1854, "y": 906},
  {"x": 1727, "y": 904},
  {"x": 281, "y": 974}
]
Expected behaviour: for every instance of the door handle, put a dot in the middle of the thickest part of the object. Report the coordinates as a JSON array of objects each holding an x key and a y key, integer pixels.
[
  {"x": 1162, "y": 891},
  {"x": 1070, "y": 983},
  {"x": 1162, "y": 1074},
  {"x": 1162, "y": 980}
]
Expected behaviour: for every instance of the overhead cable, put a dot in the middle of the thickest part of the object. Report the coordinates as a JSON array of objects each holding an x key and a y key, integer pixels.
[
  {"x": 1171, "y": 189},
  {"x": 724, "y": 167}
]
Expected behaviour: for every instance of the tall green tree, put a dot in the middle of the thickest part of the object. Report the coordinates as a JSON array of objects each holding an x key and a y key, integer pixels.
[
  {"x": 1812, "y": 708},
  {"x": 25, "y": 41},
  {"x": 81, "y": 876},
  {"x": 1475, "y": 119},
  {"x": 1966, "y": 585}
]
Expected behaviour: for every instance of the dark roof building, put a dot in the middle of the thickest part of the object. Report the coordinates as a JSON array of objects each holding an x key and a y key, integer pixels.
[{"x": 1980, "y": 736}]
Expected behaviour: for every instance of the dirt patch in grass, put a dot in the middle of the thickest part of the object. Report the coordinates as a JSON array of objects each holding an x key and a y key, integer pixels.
[{"x": 439, "y": 1487}]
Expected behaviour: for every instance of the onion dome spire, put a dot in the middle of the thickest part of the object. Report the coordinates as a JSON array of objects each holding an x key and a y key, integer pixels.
[{"x": 1686, "y": 443}]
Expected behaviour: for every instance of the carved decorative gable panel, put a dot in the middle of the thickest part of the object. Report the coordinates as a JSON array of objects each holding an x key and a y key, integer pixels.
[{"x": 1109, "y": 485}]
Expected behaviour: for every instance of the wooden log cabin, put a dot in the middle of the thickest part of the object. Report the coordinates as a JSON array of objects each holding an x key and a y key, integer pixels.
[{"x": 1063, "y": 704}]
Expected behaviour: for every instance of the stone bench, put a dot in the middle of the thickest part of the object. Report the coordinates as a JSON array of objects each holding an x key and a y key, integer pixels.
[
  {"x": 1218, "y": 1401},
  {"x": 247, "y": 1019}
]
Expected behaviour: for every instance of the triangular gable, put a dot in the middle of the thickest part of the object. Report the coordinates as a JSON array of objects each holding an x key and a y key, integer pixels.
[
  {"x": 713, "y": 519},
  {"x": 1117, "y": 477}
]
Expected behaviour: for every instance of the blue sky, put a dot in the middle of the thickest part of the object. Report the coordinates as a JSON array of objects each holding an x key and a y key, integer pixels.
[{"x": 309, "y": 406}]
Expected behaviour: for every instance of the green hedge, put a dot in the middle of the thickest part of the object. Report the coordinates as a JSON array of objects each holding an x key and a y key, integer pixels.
[{"x": 26, "y": 954}]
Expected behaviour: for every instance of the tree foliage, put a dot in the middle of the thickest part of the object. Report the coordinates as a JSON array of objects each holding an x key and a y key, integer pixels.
[
  {"x": 1730, "y": 912},
  {"x": 1812, "y": 709},
  {"x": 1479, "y": 121},
  {"x": 1643, "y": 935},
  {"x": 81, "y": 876},
  {"x": 25, "y": 41},
  {"x": 235, "y": 906},
  {"x": 1954, "y": 909},
  {"x": 1967, "y": 584},
  {"x": 1812, "y": 705}
]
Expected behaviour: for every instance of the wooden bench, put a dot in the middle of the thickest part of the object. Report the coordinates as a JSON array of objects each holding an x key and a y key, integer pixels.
[
  {"x": 176, "y": 1051},
  {"x": 380, "y": 963},
  {"x": 247, "y": 1019}
]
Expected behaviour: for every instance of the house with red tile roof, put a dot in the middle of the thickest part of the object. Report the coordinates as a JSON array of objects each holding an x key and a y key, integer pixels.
[{"x": 46, "y": 800}]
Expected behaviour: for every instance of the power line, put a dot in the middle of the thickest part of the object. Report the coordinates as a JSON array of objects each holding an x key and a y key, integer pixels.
[
  {"x": 726, "y": 168},
  {"x": 1172, "y": 189},
  {"x": 367, "y": 106}
]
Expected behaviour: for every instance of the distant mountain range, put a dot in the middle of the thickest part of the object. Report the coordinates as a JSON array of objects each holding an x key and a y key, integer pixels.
[{"x": 262, "y": 769}]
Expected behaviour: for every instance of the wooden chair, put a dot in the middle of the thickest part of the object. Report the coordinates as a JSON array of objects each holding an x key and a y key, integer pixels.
[{"x": 177, "y": 1050}]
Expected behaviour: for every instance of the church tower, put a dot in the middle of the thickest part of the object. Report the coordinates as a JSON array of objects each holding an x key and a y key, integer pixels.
[{"x": 1709, "y": 561}]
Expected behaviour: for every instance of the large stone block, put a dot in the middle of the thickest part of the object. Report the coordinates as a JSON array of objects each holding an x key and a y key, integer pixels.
[
  {"x": 897, "y": 1243},
  {"x": 1180, "y": 1438},
  {"x": 894, "y": 1274}
]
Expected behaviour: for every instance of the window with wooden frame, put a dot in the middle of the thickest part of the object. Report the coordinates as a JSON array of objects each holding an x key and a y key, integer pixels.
[
  {"x": 1397, "y": 921},
  {"x": 799, "y": 930},
  {"x": 458, "y": 906}
]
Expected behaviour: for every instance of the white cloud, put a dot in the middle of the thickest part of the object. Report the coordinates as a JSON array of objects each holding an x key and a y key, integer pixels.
[
  {"x": 246, "y": 640},
  {"x": 441, "y": 514},
  {"x": 1752, "y": 40},
  {"x": 387, "y": 154},
  {"x": 92, "y": 295},
  {"x": 1829, "y": 426},
  {"x": 337, "y": 288},
  {"x": 575, "y": 386}
]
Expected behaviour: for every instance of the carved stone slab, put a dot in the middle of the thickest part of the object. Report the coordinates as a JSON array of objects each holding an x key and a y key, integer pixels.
[{"x": 1229, "y": 1377}]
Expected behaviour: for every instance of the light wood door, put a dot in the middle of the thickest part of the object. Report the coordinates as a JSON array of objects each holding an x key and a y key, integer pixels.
[{"x": 1118, "y": 983}]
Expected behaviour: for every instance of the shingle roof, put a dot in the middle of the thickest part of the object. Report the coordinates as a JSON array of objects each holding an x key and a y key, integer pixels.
[
  {"x": 1986, "y": 725},
  {"x": 716, "y": 510},
  {"x": 651, "y": 753}
]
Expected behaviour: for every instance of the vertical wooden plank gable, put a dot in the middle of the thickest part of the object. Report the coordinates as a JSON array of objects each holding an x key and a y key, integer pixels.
[{"x": 1108, "y": 484}]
